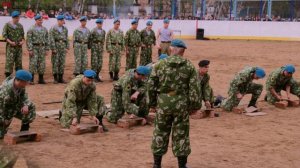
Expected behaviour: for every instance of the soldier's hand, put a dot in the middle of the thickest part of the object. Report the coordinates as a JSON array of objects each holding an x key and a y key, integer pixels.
[
  {"x": 24, "y": 110},
  {"x": 143, "y": 45},
  {"x": 96, "y": 120},
  {"x": 13, "y": 43},
  {"x": 74, "y": 121},
  {"x": 134, "y": 96},
  {"x": 21, "y": 43},
  {"x": 239, "y": 96},
  {"x": 207, "y": 105},
  {"x": 279, "y": 97},
  {"x": 152, "y": 110}
]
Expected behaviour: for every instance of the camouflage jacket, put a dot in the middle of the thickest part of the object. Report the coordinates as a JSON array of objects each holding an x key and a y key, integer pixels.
[
  {"x": 277, "y": 79},
  {"x": 242, "y": 80},
  {"x": 132, "y": 38},
  {"x": 97, "y": 36},
  {"x": 148, "y": 37},
  {"x": 173, "y": 83},
  {"x": 114, "y": 37},
  {"x": 37, "y": 36},
  {"x": 58, "y": 38},
  {"x": 80, "y": 36},
  {"x": 77, "y": 92},
  {"x": 13, "y": 32},
  {"x": 205, "y": 88}
]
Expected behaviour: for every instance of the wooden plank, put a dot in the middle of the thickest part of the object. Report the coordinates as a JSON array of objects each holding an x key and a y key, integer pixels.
[
  {"x": 255, "y": 114},
  {"x": 281, "y": 104},
  {"x": 12, "y": 138},
  {"x": 85, "y": 128},
  {"x": 130, "y": 122}
]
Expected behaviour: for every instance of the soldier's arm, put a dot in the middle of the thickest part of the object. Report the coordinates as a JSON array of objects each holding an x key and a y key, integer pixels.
[
  {"x": 24, "y": 98},
  {"x": 74, "y": 37},
  {"x": 172, "y": 34},
  {"x": 23, "y": 35},
  {"x": 29, "y": 40},
  {"x": 5, "y": 32},
  {"x": 52, "y": 40},
  {"x": 158, "y": 37},
  {"x": 46, "y": 39},
  {"x": 67, "y": 39},
  {"x": 206, "y": 90},
  {"x": 154, "y": 39},
  {"x": 70, "y": 103},
  {"x": 92, "y": 103},
  {"x": 126, "y": 40},
  {"x": 129, "y": 107},
  {"x": 194, "y": 89},
  {"x": 152, "y": 87},
  {"x": 108, "y": 41}
]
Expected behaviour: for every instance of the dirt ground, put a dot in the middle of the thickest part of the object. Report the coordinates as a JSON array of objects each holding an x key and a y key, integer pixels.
[{"x": 230, "y": 141}]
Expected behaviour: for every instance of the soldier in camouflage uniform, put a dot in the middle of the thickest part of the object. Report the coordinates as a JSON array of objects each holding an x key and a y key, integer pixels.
[
  {"x": 59, "y": 45},
  {"x": 15, "y": 103},
  {"x": 281, "y": 79},
  {"x": 13, "y": 33},
  {"x": 97, "y": 40},
  {"x": 148, "y": 39},
  {"x": 242, "y": 84},
  {"x": 174, "y": 91},
  {"x": 206, "y": 91},
  {"x": 114, "y": 46},
  {"x": 132, "y": 44},
  {"x": 81, "y": 94},
  {"x": 129, "y": 95},
  {"x": 81, "y": 44},
  {"x": 38, "y": 46}
]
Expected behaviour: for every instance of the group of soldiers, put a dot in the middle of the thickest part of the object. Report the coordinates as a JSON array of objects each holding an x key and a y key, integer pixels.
[{"x": 170, "y": 87}]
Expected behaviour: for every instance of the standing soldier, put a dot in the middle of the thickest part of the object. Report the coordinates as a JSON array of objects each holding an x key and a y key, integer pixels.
[
  {"x": 59, "y": 44},
  {"x": 242, "y": 84},
  {"x": 132, "y": 44},
  {"x": 205, "y": 89},
  {"x": 148, "y": 39},
  {"x": 164, "y": 37},
  {"x": 97, "y": 40},
  {"x": 174, "y": 96},
  {"x": 114, "y": 46},
  {"x": 81, "y": 37},
  {"x": 13, "y": 33},
  {"x": 81, "y": 94},
  {"x": 38, "y": 45},
  {"x": 15, "y": 103}
]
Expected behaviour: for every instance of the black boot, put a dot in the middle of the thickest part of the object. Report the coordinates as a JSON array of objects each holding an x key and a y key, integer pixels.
[
  {"x": 41, "y": 79},
  {"x": 182, "y": 160},
  {"x": 111, "y": 75},
  {"x": 116, "y": 76},
  {"x": 252, "y": 103},
  {"x": 32, "y": 80},
  {"x": 157, "y": 161},
  {"x": 55, "y": 79},
  {"x": 100, "y": 117},
  {"x": 25, "y": 127},
  {"x": 61, "y": 78},
  {"x": 59, "y": 115},
  {"x": 7, "y": 74}
]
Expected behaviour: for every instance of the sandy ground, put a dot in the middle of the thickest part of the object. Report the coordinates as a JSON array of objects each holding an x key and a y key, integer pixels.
[{"x": 230, "y": 141}]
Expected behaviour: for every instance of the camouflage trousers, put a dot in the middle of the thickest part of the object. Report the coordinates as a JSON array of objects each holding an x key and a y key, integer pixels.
[
  {"x": 232, "y": 101},
  {"x": 66, "y": 119},
  {"x": 210, "y": 94},
  {"x": 97, "y": 57},
  {"x": 37, "y": 62},
  {"x": 115, "y": 59},
  {"x": 295, "y": 90},
  {"x": 81, "y": 58},
  {"x": 58, "y": 60},
  {"x": 178, "y": 124},
  {"x": 131, "y": 58},
  {"x": 165, "y": 49},
  {"x": 146, "y": 55},
  {"x": 13, "y": 58},
  {"x": 7, "y": 115},
  {"x": 138, "y": 108}
]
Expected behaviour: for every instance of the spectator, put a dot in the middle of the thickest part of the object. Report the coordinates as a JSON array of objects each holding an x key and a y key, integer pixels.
[
  {"x": 68, "y": 16},
  {"x": 30, "y": 14},
  {"x": 44, "y": 15},
  {"x": 60, "y": 12},
  {"x": 51, "y": 14}
]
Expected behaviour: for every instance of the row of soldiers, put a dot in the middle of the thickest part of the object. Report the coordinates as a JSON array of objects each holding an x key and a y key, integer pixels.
[{"x": 40, "y": 41}]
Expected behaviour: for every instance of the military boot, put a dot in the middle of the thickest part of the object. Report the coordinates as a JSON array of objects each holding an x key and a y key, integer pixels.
[
  {"x": 55, "y": 79},
  {"x": 116, "y": 76},
  {"x": 157, "y": 161},
  {"x": 111, "y": 75},
  {"x": 182, "y": 160},
  {"x": 100, "y": 118},
  {"x": 61, "y": 78},
  {"x": 25, "y": 127},
  {"x": 32, "y": 80},
  {"x": 41, "y": 79},
  {"x": 252, "y": 103}
]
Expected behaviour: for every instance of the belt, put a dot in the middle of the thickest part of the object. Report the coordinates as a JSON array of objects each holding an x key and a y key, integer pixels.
[
  {"x": 115, "y": 43},
  {"x": 81, "y": 42},
  {"x": 60, "y": 41},
  {"x": 97, "y": 42},
  {"x": 165, "y": 41},
  {"x": 133, "y": 45},
  {"x": 147, "y": 46},
  {"x": 41, "y": 44}
]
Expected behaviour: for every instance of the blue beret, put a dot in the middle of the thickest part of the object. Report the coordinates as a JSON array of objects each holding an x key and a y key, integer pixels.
[
  {"x": 99, "y": 21},
  {"x": 166, "y": 20},
  {"x": 178, "y": 43},
  {"x": 15, "y": 14},
  {"x": 163, "y": 56},
  {"x": 290, "y": 68},
  {"x": 83, "y": 18},
  {"x": 134, "y": 21},
  {"x": 60, "y": 17},
  {"x": 89, "y": 73},
  {"x": 116, "y": 20},
  {"x": 37, "y": 17},
  {"x": 143, "y": 70},
  {"x": 260, "y": 73},
  {"x": 23, "y": 75},
  {"x": 149, "y": 23}
]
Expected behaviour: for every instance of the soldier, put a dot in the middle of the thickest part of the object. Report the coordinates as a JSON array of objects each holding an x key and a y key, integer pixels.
[
  {"x": 97, "y": 40},
  {"x": 129, "y": 95},
  {"x": 13, "y": 34},
  {"x": 81, "y": 94},
  {"x": 174, "y": 91},
  {"x": 15, "y": 103},
  {"x": 148, "y": 39},
  {"x": 81, "y": 37},
  {"x": 114, "y": 46},
  {"x": 38, "y": 46},
  {"x": 206, "y": 91},
  {"x": 59, "y": 44},
  {"x": 281, "y": 79},
  {"x": 132, "y": 44},
  {"x": 164, "y": 37},
  {"x": 242, "y": 84}
]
